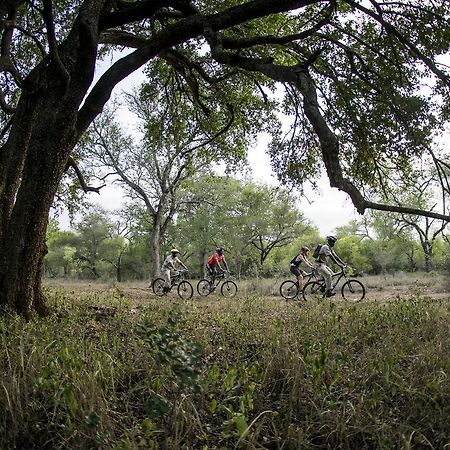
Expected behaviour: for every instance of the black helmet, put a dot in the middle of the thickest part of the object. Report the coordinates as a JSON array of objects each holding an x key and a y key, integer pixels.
[
  {"x": 331, "y": 239},
  {"x": 219, "y": 250}
]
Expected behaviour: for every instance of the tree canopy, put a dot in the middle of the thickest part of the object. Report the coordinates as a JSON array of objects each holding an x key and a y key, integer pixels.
[{"x": 364, "y": 82}]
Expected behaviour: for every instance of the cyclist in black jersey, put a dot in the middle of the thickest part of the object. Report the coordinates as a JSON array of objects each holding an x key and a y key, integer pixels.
[{"x": 301, "y": 258}]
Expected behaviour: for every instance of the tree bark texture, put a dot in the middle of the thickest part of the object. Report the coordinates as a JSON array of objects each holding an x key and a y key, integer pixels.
[
  {"x": 155, "y": 242},
  {"x": 43, "y": 134}
]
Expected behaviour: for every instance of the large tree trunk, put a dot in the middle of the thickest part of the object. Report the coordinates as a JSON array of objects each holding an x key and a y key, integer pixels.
[
  {"x": 33, "y": 159},
  {"x": 23, "y": 240}
]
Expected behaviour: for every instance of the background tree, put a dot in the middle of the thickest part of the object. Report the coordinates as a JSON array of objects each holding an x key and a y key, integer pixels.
[
  {"x": 418, "y": 194},
  {"x": 271, "y": 219},
  {"x": 391, "y": 247},
  {"x": 250, "y": 221},
  {"x": 178, "y": 137},
  {"x": 94, "y": 231},
  {"x": 201, "y": 224},
  {"x": 62, "y": 248}
]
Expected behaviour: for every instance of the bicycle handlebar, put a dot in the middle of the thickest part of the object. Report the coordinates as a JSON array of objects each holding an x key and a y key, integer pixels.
[{"x": 344, "y": 270}]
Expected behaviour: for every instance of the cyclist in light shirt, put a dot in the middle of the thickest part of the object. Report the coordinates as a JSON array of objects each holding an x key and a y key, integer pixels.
[
  {"x": 168, "y": 265},
  {"x": 326, "y": 251}
]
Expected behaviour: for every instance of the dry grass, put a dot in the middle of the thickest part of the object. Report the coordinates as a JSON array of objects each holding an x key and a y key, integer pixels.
[{"x": 116, "y": 367}]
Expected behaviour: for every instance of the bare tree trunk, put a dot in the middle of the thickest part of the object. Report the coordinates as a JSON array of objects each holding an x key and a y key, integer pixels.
[
  {"x": 202, "y": 261},
  {"x": 119, "y": 268},
  {"x": 155, "y": 243},
  {"x": 428, "y": 253}
]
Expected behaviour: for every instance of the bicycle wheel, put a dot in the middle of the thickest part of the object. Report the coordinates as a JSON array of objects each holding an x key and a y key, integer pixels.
[
  {"x": 185, "y": 290},
  {"x": 313, "y": 291},
  {"x": 158, "y": 287},
  {"x": 353, "y": 291},
  {"x": 228, "y": 289},
  {"x": 289, "y": 289},
  {"x": 203, "y": 287}
]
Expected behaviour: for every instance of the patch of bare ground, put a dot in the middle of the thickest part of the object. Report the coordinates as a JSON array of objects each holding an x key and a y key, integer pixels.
[
  {"x": 378, "y": 287},
  {"x": 385, "y": 287}
]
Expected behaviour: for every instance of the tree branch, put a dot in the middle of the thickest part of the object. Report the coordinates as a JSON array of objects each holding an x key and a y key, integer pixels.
[
  {"x": 71, "y": 163},
  {"x": 402, "y": 39},
  {"x": 52, "y": 42},
  {"x": 298, "y": 76}
]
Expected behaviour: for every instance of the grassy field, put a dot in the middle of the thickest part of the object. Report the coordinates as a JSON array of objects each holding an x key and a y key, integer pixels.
[{"x": 118, "y": 368}]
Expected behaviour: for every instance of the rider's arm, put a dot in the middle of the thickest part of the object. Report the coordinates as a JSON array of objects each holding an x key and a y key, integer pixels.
[
  {"x": 307, "y": 262},
  {"x": 178, "y": 261},
  {"x": 336, "y": 259}
]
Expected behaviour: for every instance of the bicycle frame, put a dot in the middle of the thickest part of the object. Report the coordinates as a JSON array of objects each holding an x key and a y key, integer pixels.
[
  {"x": 220, "y": 276},
  {"x": 178, "y": 278},
  {"x": 228, "y": 288},
  {"x": 339, "y": 275},
  {"x": 310, "y": 277},
  {"x": 351, "y": 290},
  {"x": 289, "y": 289},
  {"x": 335, "y": 278},
  {"x": 180, "y": 275}
]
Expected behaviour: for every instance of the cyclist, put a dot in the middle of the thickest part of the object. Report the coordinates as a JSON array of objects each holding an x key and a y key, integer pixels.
[
  {"x": 326, "y": 251},
  {"x": 213, "y": 264},
  {"x": 302, "y": 257},
  {"x": 169, "y": 264}
]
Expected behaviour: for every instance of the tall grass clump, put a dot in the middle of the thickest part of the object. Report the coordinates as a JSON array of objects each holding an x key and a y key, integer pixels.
[{"x": 114, "y": 371}]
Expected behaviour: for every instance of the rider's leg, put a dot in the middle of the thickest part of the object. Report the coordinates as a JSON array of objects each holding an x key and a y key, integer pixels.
[
  {"x": 300, "y": 281},
  {"x": 298, "y": 274},
  {"x": 166, "y": 275},
  {"x": 327, "y": 273},
  {"x": 213, "y": 273}
]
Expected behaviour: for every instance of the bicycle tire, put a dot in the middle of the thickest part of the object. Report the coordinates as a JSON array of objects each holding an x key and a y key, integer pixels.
[
  {"x": 313, "y": 291},
  {"x": 185, "y": 290},
  {"x": 203, "y": 287},
  {"x": 353, "y": 291},
  {"x": 228, "y": 289},
  {"x": 289, "y": 289},
  {"x": 158, "y": 287}
]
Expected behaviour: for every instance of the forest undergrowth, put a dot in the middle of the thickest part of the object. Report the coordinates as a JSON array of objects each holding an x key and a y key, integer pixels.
[{"x": 110, "y": 370}]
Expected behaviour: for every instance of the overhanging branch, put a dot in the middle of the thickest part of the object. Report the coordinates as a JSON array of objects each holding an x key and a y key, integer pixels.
[{"x": 299, "y": 77}]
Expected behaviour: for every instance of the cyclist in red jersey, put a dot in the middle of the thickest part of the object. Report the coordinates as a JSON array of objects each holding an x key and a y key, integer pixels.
[{"x": 213, "y": 263}]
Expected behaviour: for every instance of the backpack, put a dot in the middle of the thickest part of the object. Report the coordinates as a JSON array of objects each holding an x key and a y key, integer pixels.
[{"x": 317, "y": 251}]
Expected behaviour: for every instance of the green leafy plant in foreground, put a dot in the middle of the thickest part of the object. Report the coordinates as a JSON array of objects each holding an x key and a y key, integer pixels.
[{"x": 180, "y": 357}]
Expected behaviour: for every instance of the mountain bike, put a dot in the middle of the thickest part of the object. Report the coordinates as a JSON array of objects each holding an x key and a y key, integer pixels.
[
  {"x": 352, "y": 290},
  {"x": 289, "y": 288},
  {"x": 184, "y": 289},
  {"x": 227, "y": 289}
]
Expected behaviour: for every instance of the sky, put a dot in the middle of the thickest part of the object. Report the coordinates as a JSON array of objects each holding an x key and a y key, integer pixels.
[{"x": 327, "y": 209}]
